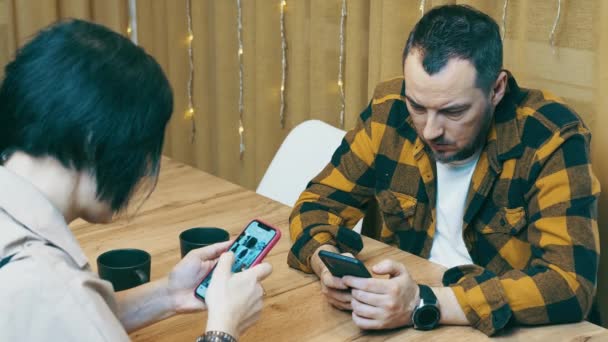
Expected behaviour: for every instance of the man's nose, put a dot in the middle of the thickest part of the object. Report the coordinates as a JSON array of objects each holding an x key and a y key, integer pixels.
[{"x": 433, "y": 128}]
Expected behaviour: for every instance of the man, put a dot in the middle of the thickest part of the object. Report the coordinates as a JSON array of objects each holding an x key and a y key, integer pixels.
[{"x": 469, "y": 170}]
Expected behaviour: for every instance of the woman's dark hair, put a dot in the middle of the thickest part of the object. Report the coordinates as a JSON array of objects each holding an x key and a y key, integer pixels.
[
  {"x": 458, "y": 31},
  {"x": 90, "y": 98}
]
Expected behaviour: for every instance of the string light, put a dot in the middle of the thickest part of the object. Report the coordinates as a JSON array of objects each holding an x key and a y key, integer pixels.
[
  {"x": 552, "y": 36},
  {"x": 503, "y": 27},
  {"x": 190, "y": 39},
  {"x": 132, "y": 26},
  {"x": 422, "y": 7},
  {"x": 341, "y": 64},
  {"x": 283, "y": 63},
  {"x": 239, "y": 34}
]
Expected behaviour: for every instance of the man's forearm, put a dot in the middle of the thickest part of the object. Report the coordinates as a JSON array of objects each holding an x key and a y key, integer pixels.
[
  {"x": 144, "y": 305},
  {"x": 451, "y": 312}
]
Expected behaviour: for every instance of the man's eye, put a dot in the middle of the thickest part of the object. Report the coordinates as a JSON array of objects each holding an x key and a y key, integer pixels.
[
  {"x": 417, "y": 109},
  {"x": 454, "y": 113}
]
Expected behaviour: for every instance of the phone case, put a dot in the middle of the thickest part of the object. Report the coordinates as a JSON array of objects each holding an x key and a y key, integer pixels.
[
  {"x": 341, "y": 265},
  {"x": 260, "y": 256},
  {"x": 271, "y": 244}
]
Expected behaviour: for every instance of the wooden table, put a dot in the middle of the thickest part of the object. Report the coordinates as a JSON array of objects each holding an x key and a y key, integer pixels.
[{"x": 295, "y": 309}]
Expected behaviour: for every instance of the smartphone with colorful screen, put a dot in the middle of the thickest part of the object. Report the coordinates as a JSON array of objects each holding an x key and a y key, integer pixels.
[{"x": 249, "y": 248}]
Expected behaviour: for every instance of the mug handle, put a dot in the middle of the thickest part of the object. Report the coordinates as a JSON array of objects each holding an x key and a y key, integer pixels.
[{"x": 143, "y": 277}]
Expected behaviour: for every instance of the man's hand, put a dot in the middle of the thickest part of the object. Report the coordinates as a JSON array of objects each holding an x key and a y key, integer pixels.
[
  {"x": 383, "y": 303},
  {"x": 333, "y": 288}
]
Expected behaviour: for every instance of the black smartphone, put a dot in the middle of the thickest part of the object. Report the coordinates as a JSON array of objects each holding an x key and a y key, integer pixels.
[{"x": 340, "y": 265}]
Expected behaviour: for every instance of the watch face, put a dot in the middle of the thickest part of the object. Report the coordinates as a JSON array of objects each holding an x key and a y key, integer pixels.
[{"x": 426, "y": 317}]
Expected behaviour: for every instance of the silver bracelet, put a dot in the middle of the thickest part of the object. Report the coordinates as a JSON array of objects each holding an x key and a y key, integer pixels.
[{"x": 216, "y": 336}]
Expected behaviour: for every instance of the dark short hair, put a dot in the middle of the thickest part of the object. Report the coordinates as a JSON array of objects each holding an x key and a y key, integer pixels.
[
  {"x": 458, "y": 31},
  {"x": 90, "y": 98}
]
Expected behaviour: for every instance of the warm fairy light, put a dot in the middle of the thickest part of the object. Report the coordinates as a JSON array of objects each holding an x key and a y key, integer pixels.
[
  {"x": 552, "y": 35},
  {"x": 422, "y": 7},
  {"x": 283, "y": 64},
  {"x": 503, "y": 25},
  {"x": 343, "y": 14},
  {"x": 239, "y": 37},
  {"x": 189, "y": 113},
  {"x": 132, "y": 21}
]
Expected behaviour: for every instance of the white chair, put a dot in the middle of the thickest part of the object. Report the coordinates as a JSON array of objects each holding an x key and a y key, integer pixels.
[{"x": 306, "y": 150}]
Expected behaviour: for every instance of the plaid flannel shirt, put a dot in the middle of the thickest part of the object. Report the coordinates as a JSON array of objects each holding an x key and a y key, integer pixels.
[{"x": 530, "y": 221}]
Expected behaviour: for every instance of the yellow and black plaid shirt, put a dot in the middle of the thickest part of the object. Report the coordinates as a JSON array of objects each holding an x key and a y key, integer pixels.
[{"x": 530, "y": 221}]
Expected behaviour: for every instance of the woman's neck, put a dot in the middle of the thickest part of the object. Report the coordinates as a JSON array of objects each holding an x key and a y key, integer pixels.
[{"x": 56, "y": 182}]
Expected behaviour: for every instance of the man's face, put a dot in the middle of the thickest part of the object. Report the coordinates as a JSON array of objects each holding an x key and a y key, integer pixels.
[{"x": 450, "y": 113}]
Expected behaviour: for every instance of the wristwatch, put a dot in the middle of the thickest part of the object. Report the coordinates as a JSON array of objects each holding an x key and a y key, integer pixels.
[
  {"x": 216, "y": 336},
  {"x": 426, "y": 315}
]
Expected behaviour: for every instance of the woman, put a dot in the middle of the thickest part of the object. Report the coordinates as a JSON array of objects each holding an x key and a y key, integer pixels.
[{"x": 83, "y": 113}]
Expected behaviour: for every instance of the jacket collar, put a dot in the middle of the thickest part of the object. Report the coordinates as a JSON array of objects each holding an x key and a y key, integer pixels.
[{"x": 25, "y": 204}]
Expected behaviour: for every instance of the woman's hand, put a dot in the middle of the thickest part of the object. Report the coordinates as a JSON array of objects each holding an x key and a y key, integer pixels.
[
  {"x": 188, "y": 273},
  {"x": 234, "y": 300}
]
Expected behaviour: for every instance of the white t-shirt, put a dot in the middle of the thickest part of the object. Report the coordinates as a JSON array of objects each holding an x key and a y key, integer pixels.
[{"x": 453, "y": 182}]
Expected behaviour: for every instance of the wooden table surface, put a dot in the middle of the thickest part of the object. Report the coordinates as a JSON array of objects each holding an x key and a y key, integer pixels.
[{"x": 295, "y": 309}]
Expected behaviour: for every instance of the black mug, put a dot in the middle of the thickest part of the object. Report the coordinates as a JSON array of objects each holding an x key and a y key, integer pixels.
[
  {"x": 200, "y": 237},
  {"x": 124, "y": 268}
]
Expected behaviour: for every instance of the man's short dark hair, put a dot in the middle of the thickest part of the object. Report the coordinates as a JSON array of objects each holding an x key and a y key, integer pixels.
[
  {"x": 90, "y": 98},
  {"x": 458, "y": 31}
]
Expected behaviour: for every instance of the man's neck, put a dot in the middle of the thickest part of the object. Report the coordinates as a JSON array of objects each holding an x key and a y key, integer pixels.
[{"x": 457, "y": 163}]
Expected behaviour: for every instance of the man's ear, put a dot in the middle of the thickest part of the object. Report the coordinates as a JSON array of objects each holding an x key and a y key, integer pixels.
[{"x": 499, "y": 88}]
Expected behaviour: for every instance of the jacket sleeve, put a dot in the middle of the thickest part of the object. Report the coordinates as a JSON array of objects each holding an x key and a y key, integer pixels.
[
  {"x": 559, "y": 282},
  {"x": 335, "y": 200}
]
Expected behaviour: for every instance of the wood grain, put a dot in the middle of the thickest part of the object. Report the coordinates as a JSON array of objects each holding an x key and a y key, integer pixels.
[{"x": 295, "y": 309}]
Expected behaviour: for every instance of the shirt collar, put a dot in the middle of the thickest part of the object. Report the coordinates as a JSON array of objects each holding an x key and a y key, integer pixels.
[
  {"x": 27, "y": 205},
  {"x": 504, "y": 139}
]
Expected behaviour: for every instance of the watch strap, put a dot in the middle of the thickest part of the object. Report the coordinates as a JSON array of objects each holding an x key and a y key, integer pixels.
[
  {"x": 427, "y": 295},
  {"x": 216, "y": 336}
]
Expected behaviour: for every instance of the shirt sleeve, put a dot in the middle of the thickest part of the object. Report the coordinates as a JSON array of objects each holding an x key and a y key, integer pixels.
[
  {"x": 559, "y": 282},
  {"x": 335, "y": 200}
]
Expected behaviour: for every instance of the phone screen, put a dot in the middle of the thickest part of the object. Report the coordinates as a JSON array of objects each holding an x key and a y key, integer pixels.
[{"x": 246, "y": 248}]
